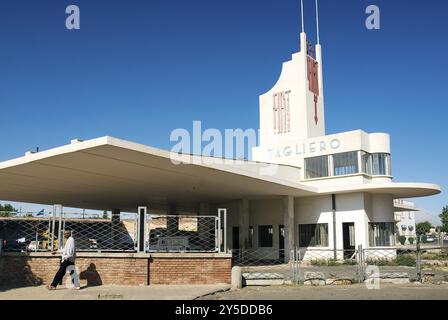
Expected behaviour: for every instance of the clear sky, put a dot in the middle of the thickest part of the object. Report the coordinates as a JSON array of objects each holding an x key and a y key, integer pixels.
[{"x": 137, "y": 69}]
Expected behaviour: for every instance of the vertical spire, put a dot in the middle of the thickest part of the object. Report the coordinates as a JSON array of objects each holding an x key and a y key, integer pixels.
[
  {"x": 301, "y": 9},
  {"x": 317, "y": 22}
]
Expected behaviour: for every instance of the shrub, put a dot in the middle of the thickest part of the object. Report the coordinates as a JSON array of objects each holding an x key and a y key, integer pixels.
[
  {"x": 407, "y": 260},
  {"x": 381, "y": 262},
  {"x": 350, "y": 262},
  {"x": 324, "y": 262},
  {"x": 411, "y": 240},
  {"x": 402, "y": 240},
  {"x": 318, "y": 262},
  {"x": 332, "y": 262}
]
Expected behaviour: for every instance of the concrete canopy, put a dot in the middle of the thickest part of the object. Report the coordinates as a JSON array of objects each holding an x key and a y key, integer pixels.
[{"x": 109, "y": 173}]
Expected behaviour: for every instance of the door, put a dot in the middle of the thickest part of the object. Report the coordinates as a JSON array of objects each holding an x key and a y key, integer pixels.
[
  {"x": 348, "y": 234},
  {"x": 235, "y": 238},
  {"x": 281, "y": 242}
]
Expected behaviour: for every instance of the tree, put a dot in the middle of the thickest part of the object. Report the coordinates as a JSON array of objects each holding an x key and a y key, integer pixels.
[
  {"x": 105, "y": 215},
  {"x": 7, "y": 210},
  {"x": 423, "y": 228},
  {"x": 444, "y": 219}
]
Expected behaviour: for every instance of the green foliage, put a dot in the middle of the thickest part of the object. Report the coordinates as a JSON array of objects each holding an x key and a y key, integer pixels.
[
  {"x": 350, "y": 262},
  {"x": 408, "y": 260},
  {"x": 7, "y": 210},
  {"x": 402, "y": 239},
  {"x": 324, "y": 262},
  {"x": 423, "y": 227},
  {"x": 105, "y": 216},
  {"x": 411, "y": 240},
  {"x": 444, "y": 219}
]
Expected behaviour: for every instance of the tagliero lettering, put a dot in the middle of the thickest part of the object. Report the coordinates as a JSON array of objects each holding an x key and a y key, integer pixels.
[{"x": 304, "y": 149}]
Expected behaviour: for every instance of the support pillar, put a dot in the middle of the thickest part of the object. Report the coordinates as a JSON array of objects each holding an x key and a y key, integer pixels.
[
  {"x": 206, "y": 228},
  {"x": 172, "y": 223},
  {"x": 141, "y": 229},
  {"x": 289, "y": 223},
  {"x": 115, "y": 230},
  {"x": 243, "y": 222}
]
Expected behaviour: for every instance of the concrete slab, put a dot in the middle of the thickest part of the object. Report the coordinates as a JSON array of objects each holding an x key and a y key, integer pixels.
[{"x": 154, "y": 292}]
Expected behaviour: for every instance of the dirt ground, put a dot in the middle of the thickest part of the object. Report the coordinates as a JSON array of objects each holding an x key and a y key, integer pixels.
[{"x": 412, "y": 291}]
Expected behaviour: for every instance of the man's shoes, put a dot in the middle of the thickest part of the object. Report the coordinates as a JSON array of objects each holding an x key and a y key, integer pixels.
[
  {"x": 75, "y": 288},
  {"x": 51, "y": 288}
]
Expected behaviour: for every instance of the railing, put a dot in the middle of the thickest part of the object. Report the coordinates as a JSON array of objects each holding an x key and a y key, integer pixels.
[
  {"x": 183, "y": 233},
  {"x": 26, "y": 234},
  {"x": 162, "y": 233}
]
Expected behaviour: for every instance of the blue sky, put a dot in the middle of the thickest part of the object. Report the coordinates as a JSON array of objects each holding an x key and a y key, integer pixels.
[{"x": 139, "y": 69}]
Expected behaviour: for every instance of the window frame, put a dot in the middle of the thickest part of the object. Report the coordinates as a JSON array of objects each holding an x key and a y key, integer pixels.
[
  {"x": 314, "y": 241},
  {"x": 269, "y": 238}
]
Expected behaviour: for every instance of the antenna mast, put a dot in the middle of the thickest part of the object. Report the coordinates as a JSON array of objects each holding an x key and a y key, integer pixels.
[
  {"x": 301, "y": 6},
  {"x": 317, "y": 22}
]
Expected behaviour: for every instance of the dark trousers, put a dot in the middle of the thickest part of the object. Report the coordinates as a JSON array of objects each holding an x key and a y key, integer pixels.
[{"x": 61, "y": 272}]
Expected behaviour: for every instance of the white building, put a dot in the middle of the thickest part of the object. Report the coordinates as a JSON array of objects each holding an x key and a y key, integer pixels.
[
  {"x": 405, "y": 219},
  {"x": 302, "y": 188}
]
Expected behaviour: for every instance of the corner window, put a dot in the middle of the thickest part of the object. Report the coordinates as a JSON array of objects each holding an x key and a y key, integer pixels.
[
  {"x": 375, "y": 164},
  {"x": 366, "y": 163},
  {"x": 313, "y": 235},
  {"x": 381, "y": 234},
  {"x": 345, "y": 163},
  {"x": 316, "y": 167},
  {"x": 265, "y": 236},
  {"x": 380, "y": 164}
]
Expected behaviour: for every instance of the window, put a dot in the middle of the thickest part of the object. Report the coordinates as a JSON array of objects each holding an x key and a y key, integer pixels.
[
  {"x": 313, "y": 235},
  {"x": 366, "y": 163},
  {"x": 265, "y": 236},
  {"x": 316, "y": 167},
  {"x": 345, "y": 163},
  {"x": 380, "y": 164},
  {"x": 381, "y": 234},
  {"x": 376, "y": 164},
  {"x": 251, "y": 236}
]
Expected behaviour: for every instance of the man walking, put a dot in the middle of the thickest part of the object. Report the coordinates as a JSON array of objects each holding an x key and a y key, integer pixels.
[{"x": 67, "y": 259}]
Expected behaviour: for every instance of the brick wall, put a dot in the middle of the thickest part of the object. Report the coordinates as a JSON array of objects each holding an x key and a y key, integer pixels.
[
  {"x": 189, "y": 270},
  {"x": 16, "y": 269}
]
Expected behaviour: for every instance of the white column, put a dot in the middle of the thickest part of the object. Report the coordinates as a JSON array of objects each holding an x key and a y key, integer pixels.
[
  {"x": 289, "y": 223},
  {"x": 243, "y": 222}
]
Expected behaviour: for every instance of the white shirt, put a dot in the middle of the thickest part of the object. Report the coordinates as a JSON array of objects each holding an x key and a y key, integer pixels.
[{"x": 69, "y": 251}]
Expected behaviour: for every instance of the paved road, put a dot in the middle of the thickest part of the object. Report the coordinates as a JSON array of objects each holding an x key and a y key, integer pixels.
[
  {"x": 155, "y": 292},
  {"x": 410, "y": 291}
]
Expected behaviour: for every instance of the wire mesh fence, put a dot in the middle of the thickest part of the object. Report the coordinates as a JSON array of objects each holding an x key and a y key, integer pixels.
[
  {"x": 393, "y": 262},
  {"x": 170, "y": 233},
  {"x": 266, "y": 264},
  {"x": 26, "y": 234},
  {"x": 328, "y": 266},
  {"x": 102, "y": 234}
]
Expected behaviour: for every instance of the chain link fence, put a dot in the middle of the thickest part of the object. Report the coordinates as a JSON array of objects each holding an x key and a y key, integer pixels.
[
  {"x": 328, "y": 266},
  {"x": 103, "y": 234},
  {"x": 26, "y": 234},
  {"x": 266, "y": 265},
  {"x": 163, "y": 233},
  {"x": 171, "y": 233}
]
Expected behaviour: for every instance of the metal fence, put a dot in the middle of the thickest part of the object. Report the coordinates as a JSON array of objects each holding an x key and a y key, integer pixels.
[
  {"x": 266, "y": 265},
  {"x": 103, "y": 234},
  {"x": 171, "y": 233},
  {"x": 329, "y": 266},
  {"x": 162, "y": 233},
  {"x": 27, "y": 234}
]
